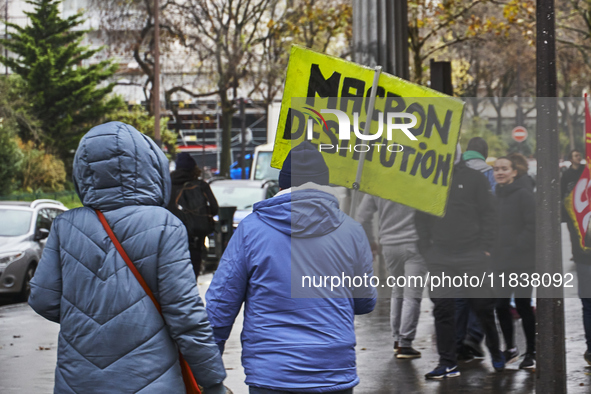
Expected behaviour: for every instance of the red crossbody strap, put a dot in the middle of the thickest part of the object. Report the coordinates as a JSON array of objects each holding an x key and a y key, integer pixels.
[
  {"x": 188, "y": 378},
  {"x": 127, "y": 260}
]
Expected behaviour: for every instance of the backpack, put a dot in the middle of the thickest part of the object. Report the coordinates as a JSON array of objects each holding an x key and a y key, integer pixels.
[{"x": 193, "y": 210}]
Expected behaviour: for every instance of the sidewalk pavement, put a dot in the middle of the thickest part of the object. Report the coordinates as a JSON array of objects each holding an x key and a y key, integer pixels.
[{"x": 28, "y": 345}]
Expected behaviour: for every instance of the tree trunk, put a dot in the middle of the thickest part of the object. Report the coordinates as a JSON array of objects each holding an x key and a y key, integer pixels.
[
  {"x": 519, "y": 118},
  {"x": 415, "y": 46},
  {"x": 475, "y": 104},
  {"x": 498, "y": 106},
  {"x": 418, "y": 63},
  {"x": 227, "y": 112}
]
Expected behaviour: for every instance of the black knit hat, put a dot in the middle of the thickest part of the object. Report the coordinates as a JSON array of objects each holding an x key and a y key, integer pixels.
[
  {"x": 304, "y": 163},
  {"x": 184, "y": 161}
]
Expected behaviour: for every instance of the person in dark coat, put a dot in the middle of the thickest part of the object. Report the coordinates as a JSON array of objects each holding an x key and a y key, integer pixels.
[
  {"x": 456, "y": 245},
  {"x": 514, "y": 253},
  {"x": 569, "y": 179},
  {"x": 522, "y": 166},
  {"x": 469, "y": 333},
  {"x": 571, "y": 176},
  {"x": 188, "y": 171}
]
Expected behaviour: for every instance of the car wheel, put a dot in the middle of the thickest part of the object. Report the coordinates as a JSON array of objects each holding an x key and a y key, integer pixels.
[{"x": 26, "y": 289}]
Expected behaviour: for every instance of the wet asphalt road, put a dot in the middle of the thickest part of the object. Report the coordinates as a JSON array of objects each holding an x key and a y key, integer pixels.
[{"x": 28, "y": 354}]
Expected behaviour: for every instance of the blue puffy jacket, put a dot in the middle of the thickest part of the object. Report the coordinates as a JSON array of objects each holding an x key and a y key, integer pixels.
[
  {"x": 293, "y": 344},
  {"x": 112, "y": 339}
]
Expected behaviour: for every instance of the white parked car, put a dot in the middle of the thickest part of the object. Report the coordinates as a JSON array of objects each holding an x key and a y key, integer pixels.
[
  {"x": 24, "y": 228},
  {"x": 239, "y": 193}
]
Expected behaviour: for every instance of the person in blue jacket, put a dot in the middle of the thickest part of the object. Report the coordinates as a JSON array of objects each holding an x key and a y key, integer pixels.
[
  {"x": 296, "y": 337},
  {"x": 112, "y": 338}
]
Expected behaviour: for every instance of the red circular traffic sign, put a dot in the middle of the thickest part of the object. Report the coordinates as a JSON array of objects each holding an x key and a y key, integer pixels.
[{"x": 519, "y": 134}]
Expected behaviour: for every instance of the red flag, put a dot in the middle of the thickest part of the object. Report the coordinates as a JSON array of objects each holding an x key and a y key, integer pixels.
[
  {"x": 578, "y": 202},
  {"x": 587, "y": 132}
]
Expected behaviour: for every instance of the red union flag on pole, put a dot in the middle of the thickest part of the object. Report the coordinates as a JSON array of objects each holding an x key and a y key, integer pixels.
[{"x": 578, "y": 201}]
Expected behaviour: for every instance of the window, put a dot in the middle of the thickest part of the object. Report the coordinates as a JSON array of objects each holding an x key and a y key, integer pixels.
[
  {"x": 55, "y": 213},
  {"x": 263, "y": 168},
  {"x": 14, "y": 222},
  {"x": 44, "y": 219},
  {"x": 75, "y": 5},
  {"x": 272, "y": 189},
  {"x": 70, "y": 5}
]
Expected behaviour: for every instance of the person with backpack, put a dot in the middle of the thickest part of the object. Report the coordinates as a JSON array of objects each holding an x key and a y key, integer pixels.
[
  {"x": 193, "y": 202},
  {"x": 459, "y": 244},
  {"x": 469, "y": 334},
  {"x": 116, "y": 276}
]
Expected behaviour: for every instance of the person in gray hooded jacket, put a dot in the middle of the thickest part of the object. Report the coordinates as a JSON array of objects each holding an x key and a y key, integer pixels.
[
  {"x": 112, "y": 338},
  {"x": 398, "y": 240}
]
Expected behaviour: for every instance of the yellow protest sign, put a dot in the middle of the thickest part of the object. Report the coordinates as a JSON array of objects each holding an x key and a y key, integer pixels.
[{"x": 411, "y": 143}]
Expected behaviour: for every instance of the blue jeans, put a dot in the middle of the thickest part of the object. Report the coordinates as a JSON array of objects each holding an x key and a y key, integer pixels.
[
  {"x": 584, "y": 278},
  {"x": 256, "y": 390}
]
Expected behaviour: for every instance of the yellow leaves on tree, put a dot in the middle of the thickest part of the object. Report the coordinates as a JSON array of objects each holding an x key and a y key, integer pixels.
[
  {"x": 40, "y": 170},
  {"x": 521, "y": 15}
]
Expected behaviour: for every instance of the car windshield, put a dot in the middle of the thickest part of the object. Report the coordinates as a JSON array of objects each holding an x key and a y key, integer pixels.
[
  {"x": 14, "y": 222},
  {"x": 241, "y": 197},
  {"x": 264, "y": 169}
]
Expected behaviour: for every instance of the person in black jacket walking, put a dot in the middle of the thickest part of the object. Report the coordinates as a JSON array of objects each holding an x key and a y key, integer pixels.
[
  {"x": 456, "y": 245},
  {"x": 571, "y": 176},
  {"x": 569, "y": 179},
  {"x": 514, "y": 253},
  {"x": 469, "y": 333},
  {"x": 187, "y": 172}
]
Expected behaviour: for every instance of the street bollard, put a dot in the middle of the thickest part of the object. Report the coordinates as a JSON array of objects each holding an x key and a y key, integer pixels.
[{"x": 226, "y": 227}]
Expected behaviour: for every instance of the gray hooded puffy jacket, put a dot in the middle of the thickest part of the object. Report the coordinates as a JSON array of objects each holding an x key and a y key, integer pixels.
[{"x": 112, "y": 339}]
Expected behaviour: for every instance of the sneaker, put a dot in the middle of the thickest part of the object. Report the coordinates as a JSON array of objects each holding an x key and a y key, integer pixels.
[
  {"x": 396, "y": 347},
  {"x": 442, "y": 372},
  {"x": 464, "y": 354},
  {"x": 499, "y": 363},
  {"x": 529, "y": 362},
  {"x": 511, "y": 355},
  {"x": 588, "y": 357},
  {"x": 474, "y": 347},
  {"x": 407, "y": 352}
]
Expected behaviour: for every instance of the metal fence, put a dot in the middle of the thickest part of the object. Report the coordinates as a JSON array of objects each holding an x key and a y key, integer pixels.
[{"x": 37, "y": 196}]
